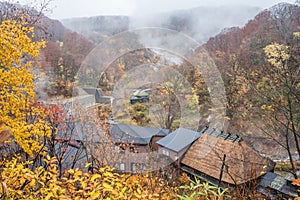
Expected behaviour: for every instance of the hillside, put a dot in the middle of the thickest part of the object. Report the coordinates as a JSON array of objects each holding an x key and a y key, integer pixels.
[
  {"x": 98, "y": 27},
  {"x": 64, "y": 52},
  {"x": 62, "y": 57},
  {"x": 276, "y": 24},
  {"x": 238, "y": 53},
  {"x": 192, "y": 22}
]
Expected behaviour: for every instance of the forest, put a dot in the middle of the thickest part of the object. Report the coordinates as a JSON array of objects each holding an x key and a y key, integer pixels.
[{"x": 68, "y": 87}]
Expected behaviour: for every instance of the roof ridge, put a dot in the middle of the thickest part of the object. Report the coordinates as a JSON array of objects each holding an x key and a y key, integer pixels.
[{"x": 220, "y": 134}]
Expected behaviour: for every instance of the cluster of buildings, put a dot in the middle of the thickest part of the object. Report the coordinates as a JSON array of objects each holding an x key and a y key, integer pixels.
[{"x": 222, "y": 159}]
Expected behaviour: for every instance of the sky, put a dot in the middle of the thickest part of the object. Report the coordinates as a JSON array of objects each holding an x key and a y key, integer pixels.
[{"x": 62, "y": 9}]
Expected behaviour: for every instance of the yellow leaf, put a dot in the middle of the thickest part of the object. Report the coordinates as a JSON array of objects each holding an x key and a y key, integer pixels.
[
  {"x": 123, "y": 190},
  {"x": 95, "y": 177},
  {"x": 95, "y": 194},
  {"x": 139, "y": 191},
  {"x": 109, "y": 174},
  {"x": 77, "y": 174},
  {"x": 88, "y": 164},
  {"x": 83, "y": 184},
  {"x": 107, "y": 186}
]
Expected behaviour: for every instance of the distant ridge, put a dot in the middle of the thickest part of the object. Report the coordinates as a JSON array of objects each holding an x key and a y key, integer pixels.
[{"x": 199, "y": 23}]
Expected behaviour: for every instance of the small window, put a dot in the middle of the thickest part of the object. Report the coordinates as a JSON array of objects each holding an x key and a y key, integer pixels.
[
  {"x": 133, "y": 167},
  {"x": 132, "y": 149},
  {"x": 121, "y": 149},
  {"x": 165, "y": 152},
  {"x": 122, "y": 166},
  {"x": 143, "y": 167}
]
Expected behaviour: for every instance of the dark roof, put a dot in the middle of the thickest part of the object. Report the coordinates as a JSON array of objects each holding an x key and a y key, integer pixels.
[
  {"x": 97, "y": 92},
  {"x": 242, "y": 162},
  {"x": 278, "y": 183},
  {"x": 125, "y": 133},
  {"x": 92, "y": 90},
  {"x": 179, "y": 139},
  {"x": 67, "y": 104},
  {"x": 70, "y": 135},
  {"x": 79, "y": 131}
]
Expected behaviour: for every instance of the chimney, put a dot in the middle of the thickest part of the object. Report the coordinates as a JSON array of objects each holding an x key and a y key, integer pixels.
[
  {"x": 229, "y": 134},
  {"x": 236, "y": 138},
  {"x": 220, "y": 133}
]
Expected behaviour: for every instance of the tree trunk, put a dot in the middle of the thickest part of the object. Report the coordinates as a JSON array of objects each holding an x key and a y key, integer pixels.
[{"x": 290, "y": 154}]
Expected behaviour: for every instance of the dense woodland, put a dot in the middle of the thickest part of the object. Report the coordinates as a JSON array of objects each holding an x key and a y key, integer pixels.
[{"x": 40, "y": 59}]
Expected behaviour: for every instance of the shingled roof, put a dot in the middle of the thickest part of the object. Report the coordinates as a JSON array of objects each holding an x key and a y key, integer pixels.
[{"x": 242, "y": 162}]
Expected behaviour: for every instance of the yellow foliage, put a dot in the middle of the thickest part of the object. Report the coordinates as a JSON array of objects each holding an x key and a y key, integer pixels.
[
  {"x": 44, "y": 183},
  {"x": 17, "y": 87},
  {"x": 297, "y": 34},
  {"x": 277, "y": 54}
]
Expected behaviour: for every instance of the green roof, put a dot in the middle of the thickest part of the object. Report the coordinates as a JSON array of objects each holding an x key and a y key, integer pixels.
[{"x": 140, "y": 93}]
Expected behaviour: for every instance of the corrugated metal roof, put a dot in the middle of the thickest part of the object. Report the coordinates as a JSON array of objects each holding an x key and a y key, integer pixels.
[
  {"x": 179, "y": 139},
  {"x": 278, "y": 183},
  {"x": 135, "y": 134}
]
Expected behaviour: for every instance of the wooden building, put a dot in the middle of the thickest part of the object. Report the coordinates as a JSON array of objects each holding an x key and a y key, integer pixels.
[
  {"x": 177, "y": 143},
  {"x": 224, "y": 160},
  {"x": 135, "y": 145}
]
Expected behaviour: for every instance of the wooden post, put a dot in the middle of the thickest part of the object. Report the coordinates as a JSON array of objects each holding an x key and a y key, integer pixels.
[{"x": 222, "y": 169}]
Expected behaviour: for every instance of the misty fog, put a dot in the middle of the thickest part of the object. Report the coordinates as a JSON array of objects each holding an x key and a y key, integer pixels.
[{"x": 199, "y": 20}]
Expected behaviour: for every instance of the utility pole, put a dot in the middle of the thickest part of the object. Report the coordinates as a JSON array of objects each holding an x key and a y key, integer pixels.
[{"x": 222, "y": 169}]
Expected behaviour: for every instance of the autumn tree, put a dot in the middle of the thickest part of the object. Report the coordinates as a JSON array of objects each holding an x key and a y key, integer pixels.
[
  {"x": 239, "y": 51},
  {"x": 169, "y": 107},
  {"x": 277, "y": 96},
  {"x": 139, "y": 114},
  {"x": 18, "y": 111},
  {"x": 33, "y": 11},
  {"x": 176, "y": 99},
  {"x": 65, "y": 57}
]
